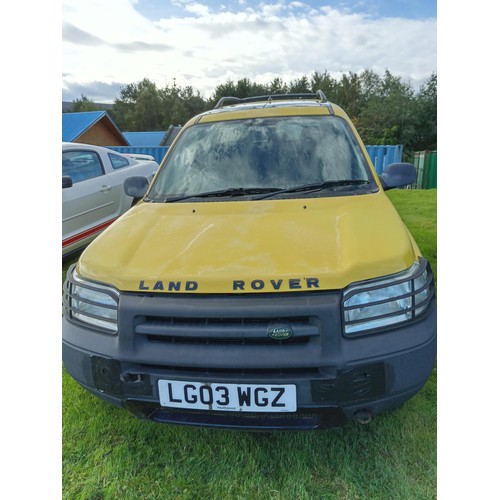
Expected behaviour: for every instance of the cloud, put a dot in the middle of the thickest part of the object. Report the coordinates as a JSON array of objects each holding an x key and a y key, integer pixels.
[
  {"x": 141, "y": 47},
  {"x": 203, "y": 46},
  {"x": 72, "y": 34},
  {"x": 75, "y": 35},
  {"x": 198, "y": 9},
  {"x": 95, "y": 91},
  {"x": 300, "y": 42}
]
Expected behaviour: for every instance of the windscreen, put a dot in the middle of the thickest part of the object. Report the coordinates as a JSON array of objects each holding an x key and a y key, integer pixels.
[{"x": 280, "y": 152}]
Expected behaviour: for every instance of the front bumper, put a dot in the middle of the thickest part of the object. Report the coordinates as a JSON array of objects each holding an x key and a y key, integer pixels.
[{"x": 336, "y": 378}]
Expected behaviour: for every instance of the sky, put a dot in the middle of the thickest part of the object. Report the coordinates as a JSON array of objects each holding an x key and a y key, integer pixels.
[{"x": 203, "y": 43}]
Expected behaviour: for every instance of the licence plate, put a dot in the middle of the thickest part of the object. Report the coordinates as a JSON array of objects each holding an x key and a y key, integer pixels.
[{"x": 227, "y": 397}]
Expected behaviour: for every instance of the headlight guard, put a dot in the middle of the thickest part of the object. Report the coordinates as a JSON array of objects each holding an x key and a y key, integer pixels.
[
  {"x": 94, "y": 304},
  {"x": 376, "y": 305}
]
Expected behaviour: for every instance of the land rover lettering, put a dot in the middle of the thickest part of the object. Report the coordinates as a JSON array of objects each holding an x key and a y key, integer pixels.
[
  {"x": 276, "y": 284},
  {"x": 169, "y": 286}
]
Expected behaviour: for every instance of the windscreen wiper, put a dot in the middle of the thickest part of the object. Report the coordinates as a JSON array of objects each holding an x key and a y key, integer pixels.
[
  {"x": 318, "y": 186},
  {"x": 224, "y": 192}
]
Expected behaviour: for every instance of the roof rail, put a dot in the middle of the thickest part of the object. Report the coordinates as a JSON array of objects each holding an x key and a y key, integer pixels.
[{"x": 225, "y": 101}]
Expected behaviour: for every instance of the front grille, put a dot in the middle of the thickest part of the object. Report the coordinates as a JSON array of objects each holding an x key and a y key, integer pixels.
[
  {"x": 225, "y": 341},
  {"x": 224, "y": 331},
  {"x": 217, "y": 332}
]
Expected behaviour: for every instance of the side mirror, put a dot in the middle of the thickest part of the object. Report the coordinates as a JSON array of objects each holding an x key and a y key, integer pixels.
[
  {"x": 398, "y": 175},
  {"x": 136, "y": 186},
  {"x": 67, "y": 181}
]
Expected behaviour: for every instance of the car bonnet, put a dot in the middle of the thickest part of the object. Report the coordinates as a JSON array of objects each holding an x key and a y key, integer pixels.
[{"x": 261, "y": 246}]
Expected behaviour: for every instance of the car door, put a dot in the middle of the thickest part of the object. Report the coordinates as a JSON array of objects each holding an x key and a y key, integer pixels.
[
  {"x": 120, "y": 168},
  {"x": 92, "y": 202}
]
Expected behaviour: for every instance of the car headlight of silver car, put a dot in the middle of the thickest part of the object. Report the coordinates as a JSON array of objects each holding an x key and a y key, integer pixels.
[
  {"x": 94, "y": 304},
  {"x": 377, "y": 304}
]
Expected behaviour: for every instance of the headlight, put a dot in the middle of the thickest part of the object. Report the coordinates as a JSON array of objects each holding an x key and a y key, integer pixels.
[
  {"x": 91, "y": 303},
  {"x": 395, "y": 299}
]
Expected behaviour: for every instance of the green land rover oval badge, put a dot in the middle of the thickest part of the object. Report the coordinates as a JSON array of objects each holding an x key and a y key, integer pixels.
[{"x": 280, "y": 333}]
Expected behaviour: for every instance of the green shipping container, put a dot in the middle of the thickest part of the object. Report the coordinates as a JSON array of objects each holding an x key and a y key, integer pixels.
[{"x": 426, "y": 164}]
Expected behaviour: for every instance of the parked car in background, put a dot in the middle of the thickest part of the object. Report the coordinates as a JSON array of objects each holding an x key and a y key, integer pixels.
[
  {"x": 92, "y": 190},
  {"x": 139, "y": 156}
]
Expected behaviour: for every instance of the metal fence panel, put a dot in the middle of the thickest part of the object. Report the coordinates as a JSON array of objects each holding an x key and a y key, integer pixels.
[
  {"x": 426, "y": 164},
  {"x": 382, "y": 156}
]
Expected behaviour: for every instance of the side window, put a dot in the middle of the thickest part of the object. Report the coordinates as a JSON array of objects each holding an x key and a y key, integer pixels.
[
  {"x": 81, "y": 165},
  {"x": 118, "y": 161}
]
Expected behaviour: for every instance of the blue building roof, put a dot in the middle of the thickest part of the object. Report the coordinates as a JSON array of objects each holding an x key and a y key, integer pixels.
[
  {"x": 75, "y": 124},
  {"x": 144, "y": 139}
]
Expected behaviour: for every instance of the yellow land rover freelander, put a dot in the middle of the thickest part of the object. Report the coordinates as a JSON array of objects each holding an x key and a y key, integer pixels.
[{"x": 262, "y": 281}]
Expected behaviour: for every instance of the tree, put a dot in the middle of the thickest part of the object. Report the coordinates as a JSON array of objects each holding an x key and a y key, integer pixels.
[
  {"x": 371, "y": 84},
  {"x": 149, "y": 113},
  {"x": 323, "y": 81},
  {"x": 84, "y": 104},
  {"x": 426, "y": 115},
  {"x": 241, "y": 89},
  {"x": 246, "y": 88},
  {"x": 277, "y": 86},
  {"x": 300, "y": 86},
  {"x": 124, "y": 107},
  {"x": 347, "y": 94},
  {"x": 193, "y": 103},
  {"x": 384, "y": 108},
  {"x": 388, "y": 115}
]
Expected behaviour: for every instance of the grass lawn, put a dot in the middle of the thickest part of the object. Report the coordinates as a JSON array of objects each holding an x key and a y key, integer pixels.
[{"x": 107, "y": 453}]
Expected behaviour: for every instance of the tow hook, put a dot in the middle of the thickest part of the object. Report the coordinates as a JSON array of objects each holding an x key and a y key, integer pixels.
[
  {"x": 131, "y": 378},
  {"x": 363, "y": 416}
]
